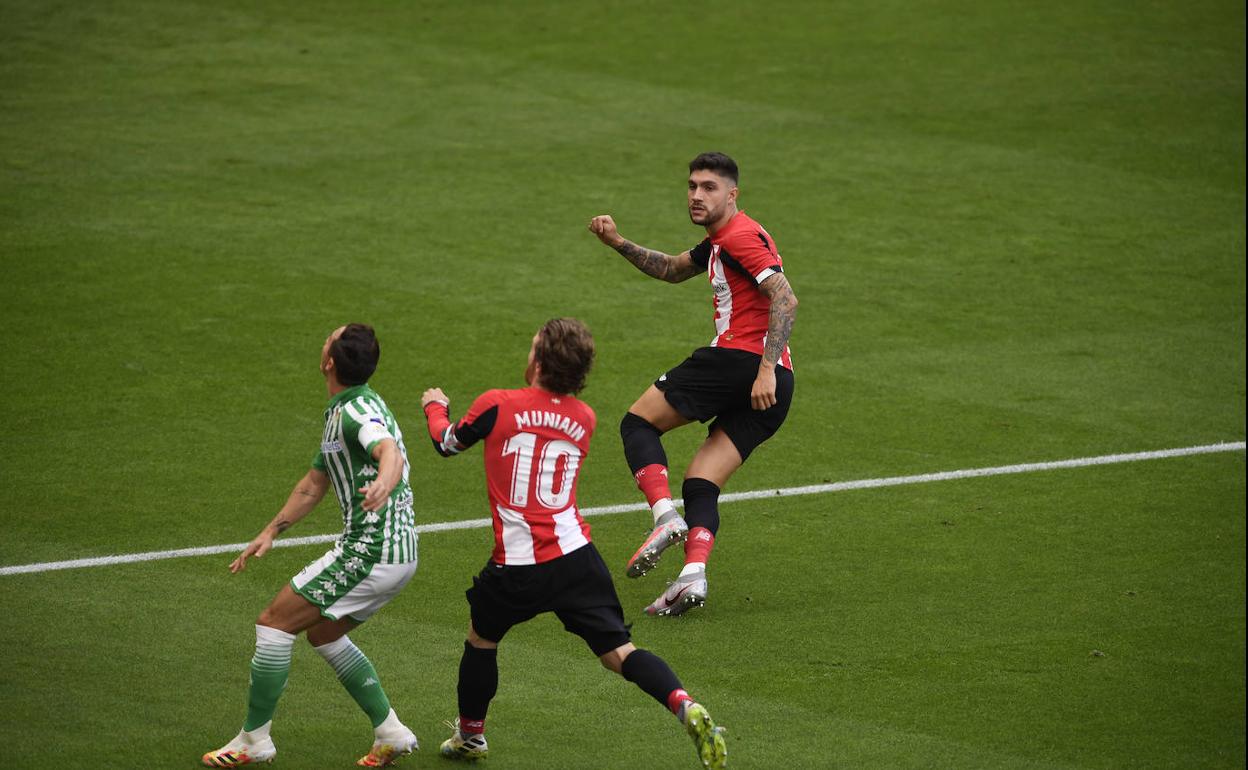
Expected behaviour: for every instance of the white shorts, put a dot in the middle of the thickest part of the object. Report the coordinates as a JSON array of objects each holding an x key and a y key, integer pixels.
[{"x": 341, "y": 584}]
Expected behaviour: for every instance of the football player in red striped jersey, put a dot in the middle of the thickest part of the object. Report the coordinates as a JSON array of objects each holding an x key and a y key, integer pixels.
[
  {"x": 742, "y": 380},
  {"x": 535, "y": 442}
]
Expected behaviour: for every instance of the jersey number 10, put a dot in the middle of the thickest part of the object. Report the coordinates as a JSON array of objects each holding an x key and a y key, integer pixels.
[{"x": 524, "y": 446}]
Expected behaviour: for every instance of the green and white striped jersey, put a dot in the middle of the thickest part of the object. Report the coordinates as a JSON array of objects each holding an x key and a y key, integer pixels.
[{"x": 356, "y": 420}]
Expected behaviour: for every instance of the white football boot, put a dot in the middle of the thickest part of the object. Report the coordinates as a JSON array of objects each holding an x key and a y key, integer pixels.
[
  {"x": 468, "y": 748},
  {"x": 245, "y": 749},
  {"x": 668, "y": 530},
  {"x": 685, "y": 593},
  {"x": 386, "y": 751}
]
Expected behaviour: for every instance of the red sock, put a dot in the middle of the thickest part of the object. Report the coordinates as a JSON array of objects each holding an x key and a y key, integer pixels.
[
  {"x": 698, "y": 545},
  {"x": 652, "y": 481},
  {"x": 676, "y": 699},
  {"x": 471, "y": 726}
]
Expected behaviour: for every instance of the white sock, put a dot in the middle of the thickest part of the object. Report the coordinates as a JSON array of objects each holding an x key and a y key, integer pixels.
[
  {"x": 331, "y": 650},
  {"x": 257, "y": 735},
  {"x": 392, "y": 726},
  {"x": 661, "y": 508},
  {"x": 692, "y": 567}
]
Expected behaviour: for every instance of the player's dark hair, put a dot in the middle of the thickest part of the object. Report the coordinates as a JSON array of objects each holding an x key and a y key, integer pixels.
[
  {"x": 565, "y": 351},
  {"x": 715, "y": 161},
  {"x": 355, "y": 354}
]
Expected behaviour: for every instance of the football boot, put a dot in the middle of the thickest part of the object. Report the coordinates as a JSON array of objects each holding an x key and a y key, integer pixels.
[
  {"x": 468, "y": 748},
  {"x": 386, "y": 752},
  {"x": 668, "y": 530},
  {"x": 708, "y": 738},
  {"x": 683, "y": 594},
  {"x": 243, "y": 750}
]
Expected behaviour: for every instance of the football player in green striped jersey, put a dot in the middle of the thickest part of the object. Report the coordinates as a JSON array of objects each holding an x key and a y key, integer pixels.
[{"x": 363, "y": 459}]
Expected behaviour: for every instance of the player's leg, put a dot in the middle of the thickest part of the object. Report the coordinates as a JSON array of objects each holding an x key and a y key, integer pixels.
[
  {"x": 733, "y": 437},
  {"x": 500, "y": 598},
  {"x": 357, "y": 598},
  {"x": 647, "y": 419},
  {"x": 652, "y": 674},
  {"x": 276, "y": 630},
  {"x": 713, "y": 464},
  {"x": 477, "y": 685}
]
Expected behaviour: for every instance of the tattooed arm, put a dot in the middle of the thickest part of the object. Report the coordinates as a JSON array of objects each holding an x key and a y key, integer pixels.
[
  {"x": 655, "y": 264},
  {"x": 303, "y": 498},
  {"x": 779, "y": 326}
]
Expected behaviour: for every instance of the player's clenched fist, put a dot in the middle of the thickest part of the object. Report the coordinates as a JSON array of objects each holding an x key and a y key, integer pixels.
[
  {"x": 603, "y": 226},
  {"x": 433, "y": 395}
]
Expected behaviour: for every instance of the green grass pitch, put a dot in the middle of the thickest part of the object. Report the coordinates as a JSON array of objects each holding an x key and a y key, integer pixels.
[{"x": 1017, "y": 234}]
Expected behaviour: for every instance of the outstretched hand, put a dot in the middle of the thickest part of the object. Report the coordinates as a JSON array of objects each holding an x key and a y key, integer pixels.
[
  {"x": 603, "y": 226},
  {"x": 257, "y": 548}
]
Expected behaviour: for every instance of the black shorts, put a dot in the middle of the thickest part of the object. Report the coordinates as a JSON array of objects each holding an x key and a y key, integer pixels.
[
  {"x": 716, "y": 382},
  {"x": 576, "y": 587}
]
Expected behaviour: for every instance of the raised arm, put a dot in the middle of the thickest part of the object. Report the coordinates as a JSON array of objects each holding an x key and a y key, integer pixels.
[
  {"x": 779, "y": 326},
  {"x": 437, "y": 408},
  {"x": 303, "y": 498},
  {"x": 655, "y": 264},
  {"x": 451, "y": 438}
]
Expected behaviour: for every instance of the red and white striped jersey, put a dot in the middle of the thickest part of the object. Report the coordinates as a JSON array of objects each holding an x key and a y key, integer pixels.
[
  {"x": 737, "y": 259},
  {"x": 535, "y": 442}
]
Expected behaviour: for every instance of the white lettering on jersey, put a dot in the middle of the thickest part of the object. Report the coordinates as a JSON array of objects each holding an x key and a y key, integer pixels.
[{"x": 535, "y": 418}]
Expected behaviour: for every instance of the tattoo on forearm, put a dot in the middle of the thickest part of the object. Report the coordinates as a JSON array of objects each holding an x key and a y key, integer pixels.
[
  {"x": 648, "y": 261},
  {"x": 780, "y": 319},
  {"x": 657, "y": 264},
  {"x": 282, "y": 526}
]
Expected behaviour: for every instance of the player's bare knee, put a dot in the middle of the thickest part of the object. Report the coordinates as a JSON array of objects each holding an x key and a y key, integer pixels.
[
  {"x": 268, "y": 618},
  {"x": 614, "y": 660},
  {"x": 478, "y": 641}
]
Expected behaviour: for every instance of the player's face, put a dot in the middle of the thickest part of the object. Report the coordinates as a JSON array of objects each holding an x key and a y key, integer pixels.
[
  {"x": 325, "y": 360},
  {"x": 710, "y": 196},
  {"x": 530, "y": 370}
]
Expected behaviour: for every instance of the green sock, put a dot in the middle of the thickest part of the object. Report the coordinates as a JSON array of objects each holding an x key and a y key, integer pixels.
[
  {"x": 357, "y": 674},
  {"x": 270, "y": 667}
]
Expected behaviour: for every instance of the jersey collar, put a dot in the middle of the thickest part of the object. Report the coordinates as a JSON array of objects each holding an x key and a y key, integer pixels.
[
  {"x": 348, "y": 394},
  {"x": 723, "y": 231}
]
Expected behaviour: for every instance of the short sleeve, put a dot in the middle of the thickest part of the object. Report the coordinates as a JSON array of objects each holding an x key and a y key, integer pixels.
[
  {"x": 318, "y": 463},
  {"x": 363, "y": 423},
  {"x": 701, "y": 254},
  {"x": 755, "y": 252}
]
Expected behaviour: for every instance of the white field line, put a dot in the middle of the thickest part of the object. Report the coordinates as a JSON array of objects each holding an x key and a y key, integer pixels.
[{"x": 814, "y": 489}]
